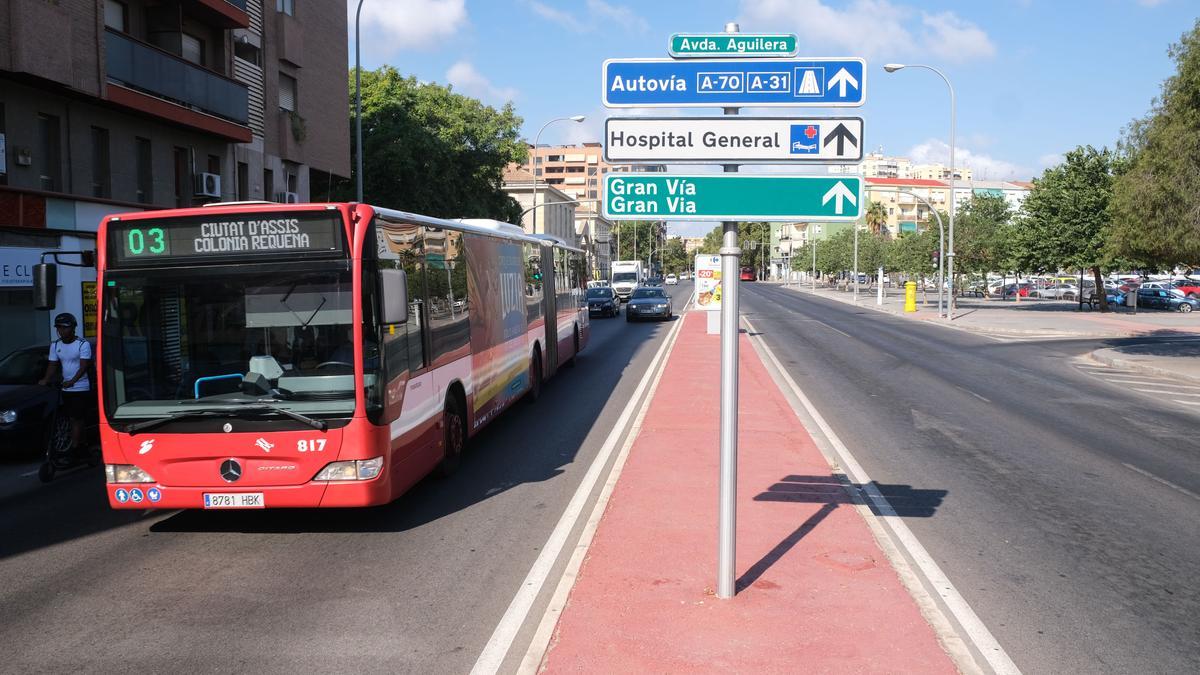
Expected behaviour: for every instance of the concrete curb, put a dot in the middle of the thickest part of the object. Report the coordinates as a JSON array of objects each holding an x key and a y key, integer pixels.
[{"x": 1104, "y": 357}]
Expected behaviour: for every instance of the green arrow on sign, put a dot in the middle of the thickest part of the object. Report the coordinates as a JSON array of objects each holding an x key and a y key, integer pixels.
[{"x": 728, "y": 197}]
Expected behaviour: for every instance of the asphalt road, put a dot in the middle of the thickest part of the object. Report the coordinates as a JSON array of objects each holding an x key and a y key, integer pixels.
[
  {"x": 416, "y": 586},
  {"x": 1064, "y": 509}
]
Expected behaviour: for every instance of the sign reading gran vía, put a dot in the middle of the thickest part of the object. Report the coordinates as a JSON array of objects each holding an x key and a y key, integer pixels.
[
  {"x": 766, "y": 140},
  {"x": 740, "y": 197}
]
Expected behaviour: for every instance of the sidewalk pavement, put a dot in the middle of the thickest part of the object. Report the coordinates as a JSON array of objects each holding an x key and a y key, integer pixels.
[
  {"x": 817, "y": 594},
  {"x": 1028, "y": 317},
  {"x": 1033, "y": 318}
]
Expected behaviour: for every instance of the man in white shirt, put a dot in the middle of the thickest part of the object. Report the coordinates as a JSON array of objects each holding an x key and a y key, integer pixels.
[{"x": 74, "y": 356}]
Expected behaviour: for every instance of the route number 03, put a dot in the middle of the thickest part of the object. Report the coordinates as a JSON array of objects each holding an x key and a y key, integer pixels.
[
  {"x": 314, "y": 445},
  {"x": 137, "y": 241}
]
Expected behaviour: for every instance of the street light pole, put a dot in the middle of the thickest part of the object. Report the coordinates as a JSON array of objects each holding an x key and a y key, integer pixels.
[
  {"x": 813, "y": 278},
  {"x": 891, "y": 68},
  {"x": 358, "y": 149},
  {"x": 533, "y": 162},
  {"x": 941, "y": 244}
]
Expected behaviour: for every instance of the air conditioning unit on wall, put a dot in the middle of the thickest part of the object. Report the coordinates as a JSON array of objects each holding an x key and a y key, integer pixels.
[{"x": 208, "y": 185}]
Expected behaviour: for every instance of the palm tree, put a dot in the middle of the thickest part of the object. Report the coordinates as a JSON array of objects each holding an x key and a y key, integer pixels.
[{"x": 877, "y": 218}]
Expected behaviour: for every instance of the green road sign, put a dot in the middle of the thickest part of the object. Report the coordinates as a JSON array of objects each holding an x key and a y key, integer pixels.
[
  {"x": 718, "y": 45},
  {"x": 732, "y": 197}
]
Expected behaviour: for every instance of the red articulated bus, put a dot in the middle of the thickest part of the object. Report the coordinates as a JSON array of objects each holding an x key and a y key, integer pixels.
[{"x": 316, "y": 355}]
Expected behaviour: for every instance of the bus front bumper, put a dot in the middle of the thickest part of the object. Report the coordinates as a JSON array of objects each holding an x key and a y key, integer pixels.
[{"x": 332, "y": 494}]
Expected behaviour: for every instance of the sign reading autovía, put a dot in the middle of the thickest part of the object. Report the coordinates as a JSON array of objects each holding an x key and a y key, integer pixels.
[
  {"x": 696, "y": 45},
  {"x": 733, "y": 139},
  {"x": 731, "y": 197}
]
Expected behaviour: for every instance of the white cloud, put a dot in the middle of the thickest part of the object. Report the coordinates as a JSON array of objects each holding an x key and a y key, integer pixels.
[
  {"x": 619, "y": 14},
  {"x": 390, "y": 26},
  {"x": 983, "y": 167},
  {"x": 466, "y": 79},
  {"x": 871, "y": 28},
  {"x": 1051, "y": 159},
  {"x": 955, "y": 39},
  {"x": 563, "y": 18},
  {"x": 599, "y": 15}
]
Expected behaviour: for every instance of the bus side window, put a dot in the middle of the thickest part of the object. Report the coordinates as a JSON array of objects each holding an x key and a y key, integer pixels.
[
  {"x": 446, "y": 267},
  {"x": 533, "y": 282},
  {"x": 402, "y": 245}
]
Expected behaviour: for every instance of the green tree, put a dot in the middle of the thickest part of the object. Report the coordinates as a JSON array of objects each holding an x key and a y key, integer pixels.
[
  {"x": 1156, "y": 198},
  {"x": 675, "y": 257},
  {"x": 876, "y": 217},
  {"x": 982, "y": 237},
  {"x": 1067, "y": 223},
  {"x": 753, "y": 238},
  {"x": 637, "y": 236},
  {"x": 429, "y": 150}
]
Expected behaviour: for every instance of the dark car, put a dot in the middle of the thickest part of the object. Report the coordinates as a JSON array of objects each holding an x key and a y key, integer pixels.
[
  {"x": 648, "y": 303},
  {"x": 27, "y": 418},
  {"x": 603, "y": 300},
  {"x": 1162, "y": 298}
]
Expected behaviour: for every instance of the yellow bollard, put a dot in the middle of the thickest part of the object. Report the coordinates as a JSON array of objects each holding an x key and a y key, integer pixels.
[{"x": 910, "y": 296}]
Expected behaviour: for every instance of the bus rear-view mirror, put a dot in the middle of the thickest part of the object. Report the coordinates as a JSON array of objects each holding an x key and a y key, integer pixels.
[
  {"x": 45, "y": 285},
  {"x": 393, "y": 290}
]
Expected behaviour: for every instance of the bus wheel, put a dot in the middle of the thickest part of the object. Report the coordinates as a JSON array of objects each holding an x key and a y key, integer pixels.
[
  {"x": 535, "y": 377},
  {"x": 454, "y": 435}
]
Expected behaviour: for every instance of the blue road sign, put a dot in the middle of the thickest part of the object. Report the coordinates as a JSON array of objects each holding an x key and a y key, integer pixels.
[{"x": 697, "y": 83}]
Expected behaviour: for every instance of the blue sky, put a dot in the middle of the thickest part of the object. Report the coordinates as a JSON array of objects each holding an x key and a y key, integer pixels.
[{"x": 1033, "y": 78}]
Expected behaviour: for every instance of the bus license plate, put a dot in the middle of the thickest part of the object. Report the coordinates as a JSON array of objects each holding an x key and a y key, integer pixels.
[{"x": 233, "y": 500}]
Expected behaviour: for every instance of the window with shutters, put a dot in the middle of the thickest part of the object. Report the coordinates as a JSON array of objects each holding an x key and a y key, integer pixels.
[
  {"x": 287, "y": 93},
  {"x": 193, "y": 49},
  {"x": 286, "y": 7}
]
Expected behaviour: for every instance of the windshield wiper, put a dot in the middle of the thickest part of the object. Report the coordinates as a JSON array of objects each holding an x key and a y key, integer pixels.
[{"x": 232, "y": 411}]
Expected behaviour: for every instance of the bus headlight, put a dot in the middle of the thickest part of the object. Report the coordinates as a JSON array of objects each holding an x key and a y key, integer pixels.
[
  {"x": 126, "y": 473},
  {"x": 354, "y": 469},
  {"x": 8, "y": 416}
]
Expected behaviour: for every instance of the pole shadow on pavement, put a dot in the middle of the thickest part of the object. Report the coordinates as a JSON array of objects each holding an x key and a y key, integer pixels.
[{"x": 831, "y": 492}]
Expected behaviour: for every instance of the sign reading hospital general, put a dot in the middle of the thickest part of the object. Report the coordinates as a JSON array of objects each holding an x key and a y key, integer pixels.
[
  {"x": 717, "y": 45},
  {"x": 761, "y": 197},
  {"x": 699, "y": 83},
  {"x": 151, "y": 242},
  {"x": 771, "y": 140}
]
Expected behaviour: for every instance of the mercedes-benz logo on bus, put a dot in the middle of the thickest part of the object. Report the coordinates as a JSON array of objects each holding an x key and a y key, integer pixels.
[{"x": 231, "y": 470}]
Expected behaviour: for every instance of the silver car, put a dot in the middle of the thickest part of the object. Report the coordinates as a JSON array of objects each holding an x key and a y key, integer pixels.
[{"x": 648, "y": 302}]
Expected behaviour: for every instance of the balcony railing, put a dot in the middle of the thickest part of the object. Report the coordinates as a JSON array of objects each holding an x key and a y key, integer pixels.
[{"x": 153, "y": 71}]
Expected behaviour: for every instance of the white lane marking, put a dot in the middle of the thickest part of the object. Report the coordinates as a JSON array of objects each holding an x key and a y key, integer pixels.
[
  {"x": 1164, "y": 481},
  {"x": 972, "y": 393},
  {"x": 1164, "y": 391},
  {"x": 1145, "y": 380},
  {"x": 29, "y": 473},
  {"x": 545, "y": 630},
  {"x": 498, "y": 645},
  {"x": 1186, "y": 402},
  {"x": 976, "y": 632}
]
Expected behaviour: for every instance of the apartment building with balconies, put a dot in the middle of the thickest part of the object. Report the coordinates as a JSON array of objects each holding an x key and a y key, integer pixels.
[{"x": 109, "y": 106}]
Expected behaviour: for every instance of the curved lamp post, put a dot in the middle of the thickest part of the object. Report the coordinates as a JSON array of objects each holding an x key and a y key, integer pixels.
[
  {"x": 533, "y": 162},
  {"x": 891, "y": 68}
]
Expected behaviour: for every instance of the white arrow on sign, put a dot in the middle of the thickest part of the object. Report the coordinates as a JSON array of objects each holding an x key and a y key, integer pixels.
[
  {"x": 841, "y": 79},
  {"x": 839, "y": 192}
]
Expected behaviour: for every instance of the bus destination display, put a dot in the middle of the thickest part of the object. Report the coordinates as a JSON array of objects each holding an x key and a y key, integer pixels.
[{"x": 226, "y": 236}]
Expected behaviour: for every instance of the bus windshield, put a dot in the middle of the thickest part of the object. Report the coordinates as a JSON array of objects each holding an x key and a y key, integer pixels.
[{"x": 175, "y": 339}]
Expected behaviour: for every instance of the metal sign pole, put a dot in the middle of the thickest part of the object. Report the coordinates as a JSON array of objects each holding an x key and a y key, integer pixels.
[{"x": 727, "y": 505}]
